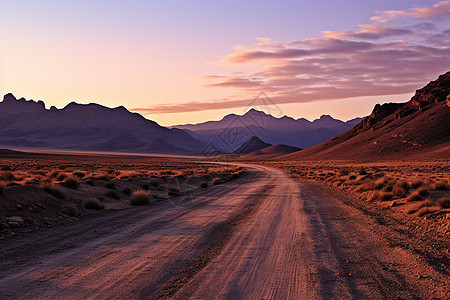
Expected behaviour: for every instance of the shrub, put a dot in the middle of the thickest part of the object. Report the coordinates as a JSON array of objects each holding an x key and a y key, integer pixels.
[
  {"x": 416, "y": 183},
  {"x": 146, "y": 186},
  {"x": 112, "y": 194},
  {"x": 426, "y": 203},
  {"x": 71, "y": 183},
  {"x": 414, "y": 197},
  {"x": 423, "y": 191},
  {"x": 440, "y": 185},
  {"x": 365, "y": 187},
  {"x": 174, "y": 191},
  {"x": 344, "y": 171},
  {"x": 384, "y": 196},
  {"x": 217, "y": 181},
  {"x": 235, "y": 176},
  {"x": 362, "y": 171},
  {"x": 126, "y": 191},
  {"x": 7, "y": 176},
  {"x": 55, "y": 192},
  {"x": 444, "y": 202},
  {"x": 61, "y": 177},
  {"x": 423, "y": 211},
  {"x": 204, "y": 184},
  {"x": 399, "y": 189},
  {"x": 79, "y": 174},
  {"x": 94, "y": 204},
  {"x": 140, "y": 197}
]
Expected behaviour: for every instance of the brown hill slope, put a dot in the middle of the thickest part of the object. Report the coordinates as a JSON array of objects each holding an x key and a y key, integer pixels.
[
  {"x": 417, "y": 128},
  {"x": 270, "y": 152}
]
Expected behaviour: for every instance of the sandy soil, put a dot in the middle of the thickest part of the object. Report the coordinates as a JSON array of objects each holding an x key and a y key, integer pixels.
[{"x": 265, "y": 236}]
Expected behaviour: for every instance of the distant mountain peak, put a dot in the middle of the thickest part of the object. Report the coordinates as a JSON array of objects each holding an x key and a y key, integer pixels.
[
  {"x": 12, "y": 104},
  {"x": 251, "y": 145}
]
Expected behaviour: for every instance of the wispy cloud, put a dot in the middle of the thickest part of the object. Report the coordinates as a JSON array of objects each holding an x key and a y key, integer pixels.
[
  {"x": 438, "y": 11},
  {"x": 383, "y": 58}
]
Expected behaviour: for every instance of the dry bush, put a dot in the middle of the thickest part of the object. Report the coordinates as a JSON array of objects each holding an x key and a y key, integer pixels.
[
  {"x": 423, "y": 211},
  {"x": 61, "y": 176},
  {"x": 344, "y": 171},
  {"x": 423, "y": 191},
  {"x": 440, "y": 186},
  {"x": 379, "y": 184},
  {"x": 140, "y": 197},
  {"x": 365, "y": 187},
  {"x": 399, "y": 189},
  {"x": 426, "y": 203},
  {"x": 217, "y": 181},
  {"x": 174, "y": 191},
  {"x": 55, "y": 192},
  {"x": 204, "y": 184},
  {"x": 444, "y": 202},
  {"x": 388, "y": 188},
  {"x": 380, "y": 196},
  {"x": 7, "y": 176},
  {"x": 79, "y": 174},
  {"x": 362, "y": 171},
  {"x": 94, "y": 204},
  {"x": 71, "y": 183},
  {"x": 416, "y": 183},
  {"x": 414, "y": 197}
]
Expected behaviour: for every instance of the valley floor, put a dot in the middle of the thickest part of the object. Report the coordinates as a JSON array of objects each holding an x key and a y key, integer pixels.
[{"x": 265, "y": 236}]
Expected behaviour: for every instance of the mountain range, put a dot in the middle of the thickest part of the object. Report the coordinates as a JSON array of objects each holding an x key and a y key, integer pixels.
[
  {"x": 233, "y": 130},
  {"x": 28, "y": 124}
]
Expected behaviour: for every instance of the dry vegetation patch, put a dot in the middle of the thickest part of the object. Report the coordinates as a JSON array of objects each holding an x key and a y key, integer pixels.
[
  {"x": 414, "y": 189},
  {"x": 43, "y": 188}
]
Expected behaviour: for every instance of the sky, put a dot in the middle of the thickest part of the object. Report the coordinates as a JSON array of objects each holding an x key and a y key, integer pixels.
[{"x": 180, "y": 62}]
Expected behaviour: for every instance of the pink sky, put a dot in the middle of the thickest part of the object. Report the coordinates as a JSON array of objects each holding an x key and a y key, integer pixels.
[{"x": 176, "y": 63}]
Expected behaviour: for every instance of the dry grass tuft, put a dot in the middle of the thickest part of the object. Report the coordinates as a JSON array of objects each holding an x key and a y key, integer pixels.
[
  {"x": 217, "y": 181},
  {"x": 423, "y": 211},
  {"x": 71, "y": 183},
  {"x": 444, "y": 202},
  {"x": 174, "y": 191},
  {"x": 204, "y": 184},
  {"x": 416, "y": 183},
  {"x": 140, "y": 197},
  {"x": 423, "y": 191},
  {"x": 426, "y": 203},
  {"x": 414, "y": 197},
  {"x": 55, "y": 192},
  {"x": 94, "y": 204},
  {"x": 440, "y": 186}
]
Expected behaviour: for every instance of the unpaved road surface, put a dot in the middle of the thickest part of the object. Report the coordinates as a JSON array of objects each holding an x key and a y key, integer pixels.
[{"x": 265, "y": 236}]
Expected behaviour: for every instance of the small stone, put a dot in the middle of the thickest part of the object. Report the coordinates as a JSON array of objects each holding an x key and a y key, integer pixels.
[{"x": 15, "y": 221}]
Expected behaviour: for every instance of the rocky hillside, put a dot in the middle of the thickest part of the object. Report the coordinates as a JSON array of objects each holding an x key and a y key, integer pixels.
[{"x": 419, "y": 127}]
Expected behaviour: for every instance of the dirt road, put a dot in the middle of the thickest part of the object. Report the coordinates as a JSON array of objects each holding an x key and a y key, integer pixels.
[{"x": 266, "y": 236}]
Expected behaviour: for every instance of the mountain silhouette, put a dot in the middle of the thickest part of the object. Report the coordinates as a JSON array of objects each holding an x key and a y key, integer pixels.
[{"x": 27, "y": 123}]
